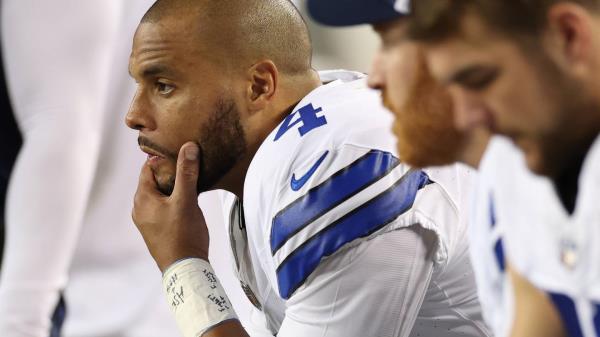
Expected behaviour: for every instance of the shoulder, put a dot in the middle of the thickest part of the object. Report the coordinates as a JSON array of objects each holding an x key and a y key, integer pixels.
[
  {"x": 343, "y": 119},
  {"x": 336, "y": 113},
  {"x": 336, "y": 209}
]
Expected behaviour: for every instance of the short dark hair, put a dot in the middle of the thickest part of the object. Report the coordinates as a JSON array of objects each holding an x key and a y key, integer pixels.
[
  {"x": 272, "y": 29},
  {"x": 437, "y": 19}
]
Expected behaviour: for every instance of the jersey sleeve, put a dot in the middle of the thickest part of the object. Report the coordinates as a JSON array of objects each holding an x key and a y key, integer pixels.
[
  {"x": 373, "y": 289},
  {"x": 353, "y": 194}
]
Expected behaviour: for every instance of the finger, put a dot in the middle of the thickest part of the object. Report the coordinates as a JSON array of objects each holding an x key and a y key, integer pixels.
[
  {"x": 146, "y": 191},
  {"x": 186, "y": 177},
  {"x": 147, "y": 186}
]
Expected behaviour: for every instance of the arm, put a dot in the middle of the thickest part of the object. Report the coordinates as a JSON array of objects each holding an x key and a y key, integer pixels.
[
  {"x": 384, "y": 278},
  {"x": 391, "y": 284},
  {"x": 535, "y": 315}
]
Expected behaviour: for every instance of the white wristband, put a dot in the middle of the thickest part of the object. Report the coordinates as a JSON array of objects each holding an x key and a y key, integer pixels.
[{"x": 196, "y": 297}]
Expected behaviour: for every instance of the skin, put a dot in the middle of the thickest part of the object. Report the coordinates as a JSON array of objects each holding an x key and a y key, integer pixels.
[
  {"x": 170, "y": 96},
  {"x": 423, "y": 110},
  {"x": 534, "y": 313},
  {"x": 167, "y": 222},
  {"x": 542, "y": 97},
  {"x": 186, "y": 94}
]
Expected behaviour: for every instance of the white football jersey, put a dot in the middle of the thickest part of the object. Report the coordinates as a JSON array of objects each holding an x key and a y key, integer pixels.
[
  {"x": 490, "y": 222},
  {"x": 552, "y": 249},
  {"x": 339, "y": 238},
  {"x": 487, "y": 249},
  {"x": 564, "y": 261}
]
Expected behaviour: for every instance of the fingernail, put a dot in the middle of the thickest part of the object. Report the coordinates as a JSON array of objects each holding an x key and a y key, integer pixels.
[{"x": 191, "y": 152}]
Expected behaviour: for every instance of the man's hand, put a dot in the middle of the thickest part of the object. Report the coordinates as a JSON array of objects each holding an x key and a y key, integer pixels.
[
  {"x": 534, "y": 313},
  {"x": 172, "y": 226}
]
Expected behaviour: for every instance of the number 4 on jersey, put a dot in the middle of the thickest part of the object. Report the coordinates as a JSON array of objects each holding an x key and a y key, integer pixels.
[{"x": 307, "y": 116}]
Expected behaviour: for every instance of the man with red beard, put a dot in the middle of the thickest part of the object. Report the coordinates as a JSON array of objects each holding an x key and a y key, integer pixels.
[
  {"x": 427, "y": 135},
  {"x": 529, "y": 70}
]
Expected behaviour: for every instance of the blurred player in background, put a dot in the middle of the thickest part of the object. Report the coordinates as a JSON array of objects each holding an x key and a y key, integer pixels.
[
  {"x": 529, "y": 70},
  {"x": 333, "y": 236},
  {"x": 427, "y": 136},
  {"x": 68, "y": 209}
]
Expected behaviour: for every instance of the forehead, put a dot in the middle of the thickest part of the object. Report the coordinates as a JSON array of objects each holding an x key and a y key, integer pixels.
[
  {"x": 393, "y": 31},
  {"x": 167, "y": 42},
  {"x": 475, "y": 42}
]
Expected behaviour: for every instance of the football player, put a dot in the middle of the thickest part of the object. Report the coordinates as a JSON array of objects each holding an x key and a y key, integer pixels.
[
  {"x": 332, "y": 234},
  {"x": 528, "y": 70},
  {"x": 427, "y": 136}
]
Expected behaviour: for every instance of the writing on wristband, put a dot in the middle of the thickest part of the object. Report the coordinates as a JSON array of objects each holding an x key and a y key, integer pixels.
[{"x": 196, "y": 296}]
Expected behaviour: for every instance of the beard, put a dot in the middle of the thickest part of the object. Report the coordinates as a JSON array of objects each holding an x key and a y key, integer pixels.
[
  {"x": 424, "y": 124},
  {"x": 221, "y": 145},
  {"x": 557, "y": 150}
]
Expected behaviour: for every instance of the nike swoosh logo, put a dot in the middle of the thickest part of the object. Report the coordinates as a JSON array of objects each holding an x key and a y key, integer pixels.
[{"x": 297, "y": 184}]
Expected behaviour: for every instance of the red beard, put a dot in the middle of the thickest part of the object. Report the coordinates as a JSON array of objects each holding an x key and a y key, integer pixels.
[{"x": 424, "y": 124}]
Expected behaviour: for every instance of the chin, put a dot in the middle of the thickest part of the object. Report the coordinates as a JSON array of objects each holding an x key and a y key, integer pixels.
[
  {"x": 532, "y": 155},
  {"x": 165, "y": 183},
  {"x": 537, "y": 164}
]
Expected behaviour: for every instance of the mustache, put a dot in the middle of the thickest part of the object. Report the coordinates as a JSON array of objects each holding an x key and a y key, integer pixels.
[{"x": 144, "y": 141}]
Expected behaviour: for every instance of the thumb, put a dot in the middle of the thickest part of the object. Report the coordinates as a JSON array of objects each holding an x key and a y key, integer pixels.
[{"x": 186, "y": 176}]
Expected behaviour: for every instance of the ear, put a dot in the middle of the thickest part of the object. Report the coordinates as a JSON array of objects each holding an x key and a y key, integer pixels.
[
  {"x": 262, "y": 85},
  {"x": 570, "y": 36}
]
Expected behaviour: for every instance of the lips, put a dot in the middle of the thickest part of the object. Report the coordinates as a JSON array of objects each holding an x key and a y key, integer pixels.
[
  {"x": 154, "y": 157},
  {"x": 150, "y": 152}
]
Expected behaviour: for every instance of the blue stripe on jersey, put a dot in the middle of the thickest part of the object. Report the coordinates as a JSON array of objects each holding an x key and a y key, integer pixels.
[
  {"x": 568, "y": 313},
  {"x": 499, "y": 252},
  {"x": 597, "y": 318},
  {"x": 361, "y": 222},
  {"x": 320, "y": 199},
  {"x": 492, "y": 212}
]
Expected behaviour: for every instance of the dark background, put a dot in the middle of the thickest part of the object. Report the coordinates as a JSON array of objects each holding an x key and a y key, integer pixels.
[{"x": 10, "y": 142}]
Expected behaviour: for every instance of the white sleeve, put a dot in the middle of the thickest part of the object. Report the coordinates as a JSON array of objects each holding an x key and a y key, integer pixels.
[{"x": 373, "y": 289}]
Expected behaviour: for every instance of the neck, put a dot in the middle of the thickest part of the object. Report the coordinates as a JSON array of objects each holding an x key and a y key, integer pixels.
[
  {"x": 566, "y": 181},
  {"x": 234, "y": 180},
  {"x": 567, "y": 184},
  {"x": 476, "y": 145}
]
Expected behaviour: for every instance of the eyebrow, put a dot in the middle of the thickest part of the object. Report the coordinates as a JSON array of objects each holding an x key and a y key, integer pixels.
[{"x": 153, "y": 70}]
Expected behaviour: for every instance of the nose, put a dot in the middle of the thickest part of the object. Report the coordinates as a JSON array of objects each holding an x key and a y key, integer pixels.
[
  {"x": 139, "y": 117},
  {"x": 376, "y": 78},
  {"x": 469, "y": 110}
]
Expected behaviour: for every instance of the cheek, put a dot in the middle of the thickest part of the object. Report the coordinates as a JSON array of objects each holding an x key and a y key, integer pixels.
[
  {"x": 180, "y": 123},
  {"x": 519, "y": 100},
  {"x": 400, "y": 77}
]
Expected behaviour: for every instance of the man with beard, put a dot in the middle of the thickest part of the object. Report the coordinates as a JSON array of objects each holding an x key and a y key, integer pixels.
[
  {"x": 427, "y": 136},
  {"x": 322, "y": 245},
  {"x": 529, "y": 70}
]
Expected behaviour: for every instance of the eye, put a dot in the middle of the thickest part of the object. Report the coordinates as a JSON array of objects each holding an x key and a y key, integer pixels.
[
  {"x": 477, "y": 78},
  {"x": 164, "y": 88}
]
